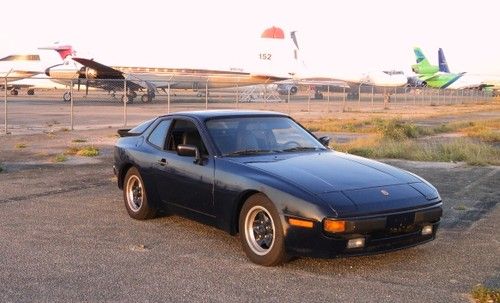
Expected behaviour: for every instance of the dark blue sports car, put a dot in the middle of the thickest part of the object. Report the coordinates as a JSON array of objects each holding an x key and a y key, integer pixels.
[{"x": 264, "y": 176}]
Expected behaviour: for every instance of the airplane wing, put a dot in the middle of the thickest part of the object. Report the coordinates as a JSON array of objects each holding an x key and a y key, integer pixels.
[
  {"x": 427, "y": 77},
  {"x": 103, "y": 71}
]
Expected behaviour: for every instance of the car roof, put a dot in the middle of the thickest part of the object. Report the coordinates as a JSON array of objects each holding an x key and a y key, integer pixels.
[{"x": 211, "y": 114}]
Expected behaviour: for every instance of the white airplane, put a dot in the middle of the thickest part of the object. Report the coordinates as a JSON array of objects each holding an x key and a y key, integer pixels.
[
  {"x": 467, "y": 81},
  {"x": 272, "y": 66},
  {"x": 321, "y": 82},
  {"x": 20, "y": 70}
]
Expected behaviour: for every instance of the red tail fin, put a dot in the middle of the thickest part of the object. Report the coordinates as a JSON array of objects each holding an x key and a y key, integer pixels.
[
  {"x": 64, "y": 51},
  {"x": 273, "y": 33}
]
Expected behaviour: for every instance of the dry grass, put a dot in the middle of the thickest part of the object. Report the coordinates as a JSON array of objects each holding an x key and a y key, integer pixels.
[
  {"x": 79, "y": 140},
  {"x": 21, "y": 145},
  {"x": 482, "y": 294},
  {"x": 459, "y": 150},
  {"x": 60, "y": 158},
  {"x": 486, "y": 131},
  {"x": 85, "y": 151}
]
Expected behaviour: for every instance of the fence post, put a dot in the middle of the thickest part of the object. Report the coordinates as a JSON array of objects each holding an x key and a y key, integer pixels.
[
  {"x": 328, "y": 99},
  {"x": 5, "y": 107},
  {"x": 206, "y": 95},
  {"x": 168, "y": 98},
  {"x": 372, "y": 97},
  {"x": 71, "y": 105},
  {"x": 343, "y": 100},
  {"x": 359, "y": 96},
  {"x": 309, "y": 100},
  {"x": 288, "y": 102},
  {"x": 237, "y": 96},
  {"x": 125, "y": 101}
]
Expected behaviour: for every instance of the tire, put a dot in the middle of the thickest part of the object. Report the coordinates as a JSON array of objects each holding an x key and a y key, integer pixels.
[
  {"x": 267, "y": 252},
  {"x": 67, "y": 97},
  {"x": 135, "y": 198}
]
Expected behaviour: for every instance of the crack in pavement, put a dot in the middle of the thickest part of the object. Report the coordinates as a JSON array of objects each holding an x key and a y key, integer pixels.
[{"x": 54, "y": 192}]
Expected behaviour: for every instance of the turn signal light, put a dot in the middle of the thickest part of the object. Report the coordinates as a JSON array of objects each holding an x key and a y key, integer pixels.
[
  {"x": 300, "y": 223},
  {"x": 334, "y": 226}
]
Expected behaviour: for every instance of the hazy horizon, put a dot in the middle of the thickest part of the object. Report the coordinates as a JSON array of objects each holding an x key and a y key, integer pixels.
[{"x": 350, "y": 37}]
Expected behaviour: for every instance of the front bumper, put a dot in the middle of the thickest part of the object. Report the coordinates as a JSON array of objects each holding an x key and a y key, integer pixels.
[{"x": 381, "y": 233}]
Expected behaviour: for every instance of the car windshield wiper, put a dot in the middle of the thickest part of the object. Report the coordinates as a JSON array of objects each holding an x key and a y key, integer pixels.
[
  {"x": 246, "y": 152},
  {"x": 301, "y": 148}
]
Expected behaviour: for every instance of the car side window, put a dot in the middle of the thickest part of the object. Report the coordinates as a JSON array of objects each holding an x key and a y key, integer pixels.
[
  {"x": 185, "y": 132},
  {"x": 159, "y": 134}
]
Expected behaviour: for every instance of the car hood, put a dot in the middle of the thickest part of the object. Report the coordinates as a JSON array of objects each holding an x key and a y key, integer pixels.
[
  {"x": 325, "y": 172},
  {"x": 350, "y": 185}
]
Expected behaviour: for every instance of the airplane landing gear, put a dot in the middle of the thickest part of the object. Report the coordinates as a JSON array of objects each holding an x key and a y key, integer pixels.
[
  {"x": 31, "y": 92},
  {"x": 130, "y": 97},
  {"x": 14, "y": 92},
  {"x": 147, "y": 98},
  {"x": 318, "y": 95},
  {"x": 67, "y": 97}
]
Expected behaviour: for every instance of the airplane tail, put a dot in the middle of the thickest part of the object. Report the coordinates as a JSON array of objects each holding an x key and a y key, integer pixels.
[
  {"x": 423, "y": 66},
  {"x": 278, "y": 53},
  {"x": 63, "y": 50},
  {"x": 443, "y": 65},
  {"x": 420, "y": 57}
]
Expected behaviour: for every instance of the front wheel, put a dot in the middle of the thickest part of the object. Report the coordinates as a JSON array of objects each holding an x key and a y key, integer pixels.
[
  {"x": 135, "y": 197},
  {"x": 261, "y": 232}
]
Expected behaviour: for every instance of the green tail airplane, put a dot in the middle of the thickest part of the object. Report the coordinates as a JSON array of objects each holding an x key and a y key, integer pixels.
[{"x": 429, "y": 75}]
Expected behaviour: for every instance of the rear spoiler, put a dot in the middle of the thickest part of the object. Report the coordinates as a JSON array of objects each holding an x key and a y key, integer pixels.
[{"x": 124, "y": 132}]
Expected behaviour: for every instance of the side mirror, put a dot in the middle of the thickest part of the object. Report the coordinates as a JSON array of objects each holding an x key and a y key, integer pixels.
[
  {"x": 325, "y": 140},
  {"x": 186, "y": 150}
]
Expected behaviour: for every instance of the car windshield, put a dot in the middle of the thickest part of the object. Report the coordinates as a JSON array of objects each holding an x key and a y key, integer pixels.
[{"x": 260, "y": 135}]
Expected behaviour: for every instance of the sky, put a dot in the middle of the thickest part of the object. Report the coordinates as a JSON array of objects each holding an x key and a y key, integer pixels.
[{"x": 334, "y": 36}]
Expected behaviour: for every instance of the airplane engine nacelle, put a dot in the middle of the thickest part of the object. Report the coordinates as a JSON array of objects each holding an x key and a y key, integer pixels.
[
  {"x": 416, "y": 82},
  {"x": 88, "y": 73},
  {"x": 60, "y": 72},
  {"x": 425, "y": 69},
  {"x": 285, "y": 89}
]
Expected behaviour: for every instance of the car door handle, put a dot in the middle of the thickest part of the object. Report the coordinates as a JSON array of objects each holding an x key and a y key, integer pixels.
[{"x": 162, "y": 162}]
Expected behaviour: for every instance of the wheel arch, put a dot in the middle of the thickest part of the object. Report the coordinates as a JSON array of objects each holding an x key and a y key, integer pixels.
[
  {"x": 121, "y": 174},
  {"x": 240, "y": 200}
]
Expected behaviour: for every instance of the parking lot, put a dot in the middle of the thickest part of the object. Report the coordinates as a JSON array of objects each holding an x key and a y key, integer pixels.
[{"x": 65, "y": 236}]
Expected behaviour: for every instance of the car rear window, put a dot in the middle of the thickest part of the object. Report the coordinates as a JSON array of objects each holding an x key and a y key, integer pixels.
[{"x": 139, "y": 129}]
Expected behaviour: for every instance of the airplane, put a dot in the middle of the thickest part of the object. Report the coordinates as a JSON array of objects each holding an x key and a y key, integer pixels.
[
  {"x": 150, "y": 80},
  {"x": 430, "y": 75},
  {"x": 324, "y": 82},
  {"x": 20, "y": 69},
  {"x": 468, "y": 81}
]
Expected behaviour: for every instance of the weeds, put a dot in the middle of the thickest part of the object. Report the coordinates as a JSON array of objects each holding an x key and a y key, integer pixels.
[
  {"x": 79, "y": 140},
  {"x": 86, "y": 151},
  {"x": 460, "y": 150},
  {"x": 482, "y": 294},
  {"x": 60, "y": 158},
  {"x": 21, "y": 145}
]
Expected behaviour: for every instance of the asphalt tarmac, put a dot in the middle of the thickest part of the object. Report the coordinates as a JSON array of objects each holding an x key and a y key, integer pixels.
[{"x": 65, "y": 236}]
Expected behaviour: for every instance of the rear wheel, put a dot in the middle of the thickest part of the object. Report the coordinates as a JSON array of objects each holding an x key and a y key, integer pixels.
[
  {"x": 135, "y": 197},
  {"x": 261, "y": 232},
  {"x": 66, "y": 96}
]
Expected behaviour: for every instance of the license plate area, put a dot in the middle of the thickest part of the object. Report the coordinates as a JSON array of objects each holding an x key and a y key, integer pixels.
[{"x": 400, "y": 220}]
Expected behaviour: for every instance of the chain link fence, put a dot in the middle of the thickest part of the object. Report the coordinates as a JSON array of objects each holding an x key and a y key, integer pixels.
[{"x": 42, "y": 103}]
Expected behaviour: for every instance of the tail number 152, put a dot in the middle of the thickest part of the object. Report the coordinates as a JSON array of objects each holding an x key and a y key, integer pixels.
[{"x": 265, "y": 56}]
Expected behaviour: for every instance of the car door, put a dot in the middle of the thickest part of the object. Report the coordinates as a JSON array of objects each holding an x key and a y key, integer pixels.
[{"x": 179, "y": 180}]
